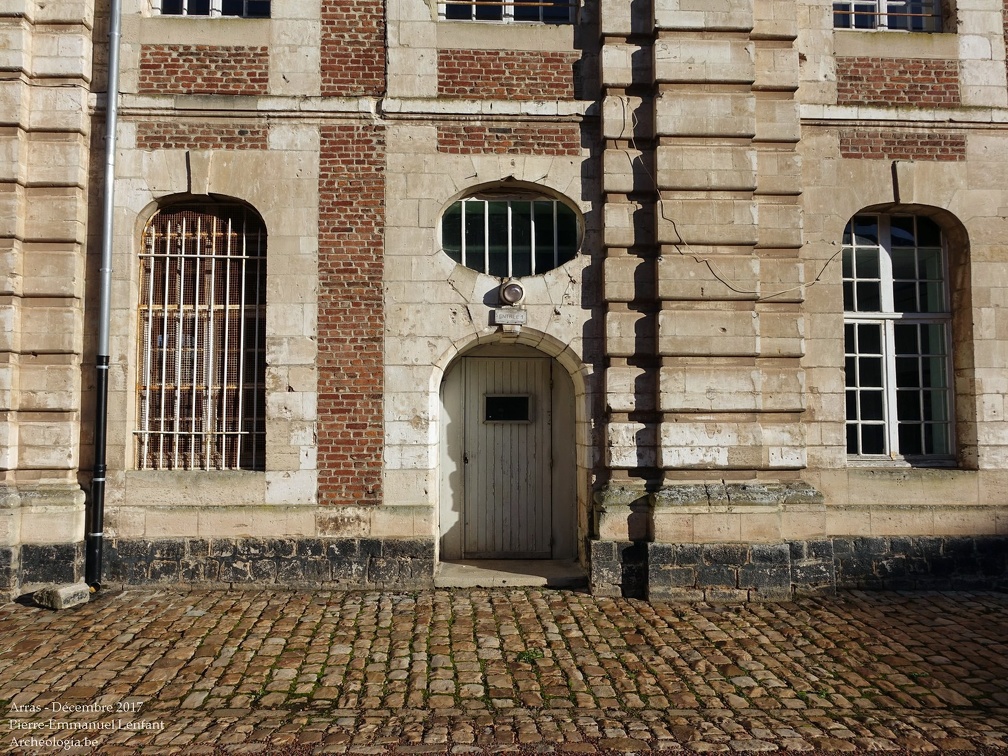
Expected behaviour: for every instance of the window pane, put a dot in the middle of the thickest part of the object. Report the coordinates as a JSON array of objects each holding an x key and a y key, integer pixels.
[
  {"x": 904, "y": 264},
  {"x": 458, "y": 12},
  {"x": 928, "y": 232},
  {"x": 852, "y": 412},
  {"x": 451, "y": 232},
  {"x": 526, "y": 11},
  {"x": 558, "y": 12},
  {"x": 864, "y": 16},
  {"x": 232, "y": 7},
  {"x": 906, "y": 339},
  {"x": 902, "y": 230},
  {"x": 841, "y": 20},
  {"x": 848, "y": 260},
  {"x": 848, "y": 337},
  {"x": 566, "y": 233},
  {"x": 905, "y": 296},
  {"x": 867, "y": 263},
  {"x": 873, "y": 439},
  {"x": 475, "y": 235},
  {"x": 544, "y": 241},
  {"x": 936, "y": 439},
  {"x": 871, "y": 405},
  {"x": 908, "y": 406},
  {"x": 868, "y": 296},
  {"x": 848, "y": 296},
  {"x": 870, "y": 371},
  {"x": 171, "y": 7},
  {"x": 498, "y": 241},
  {"x": 935, "y": 407},
  {"x": 852, "y": 439},
  {"x": 198, "y": 7},
  {"x": 257, "y": 9},
  {"x": 489, "y": 12},
  {"x": 869, "y": 339},
  {"x": 521, "y": 238},
  {"x": 907, "y": 372},
  {"x": 910, "y": 441},
  {"x": 865, "y": 229}
]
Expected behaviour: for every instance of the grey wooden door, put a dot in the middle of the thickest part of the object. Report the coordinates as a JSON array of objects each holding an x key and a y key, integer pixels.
[{"x": 507, "y": 451}]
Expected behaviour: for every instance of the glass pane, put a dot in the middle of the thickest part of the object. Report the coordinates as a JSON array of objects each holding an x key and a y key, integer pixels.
[
  {"x": 867, "y": 263},
  {"x": 935, "y": 407},
  {"x": 526, "y": 11},
  {"x": 232, "y": 7},
  {"x": 257, "y": 9},
  {"x": 852, "y": 439},
  {"x": 932, "y": 297},
  {"x": 848, "y": 259},
  {"x": 841, "y": 20},
  {"x": 475, "y": 235},
  {"x": 489, "y": 12},
  {"x": 904, "y": 264},
  {"x": 936, "y": 439},
  {"x": 901, "y": 229},
  {"x": 928, "y": 232},
  {"x": 869, "y": 297},
  {"x": 544, "y": 236},
  {"x": 498, "y": 242},
  {"x": 908, "y": 405},
  {"x": 459, "y": 12},
  {"x": 870, "y": 372},
  {"x": 864, "y": 16},
  {"x": 933, "y": 338},
  {"x": 566, "y": 233},
  {"x": 904, "y": 296},
  {"x": 848, "y": 296},
  {"x": 521, "y": 238},
  {"x": 871, "y": 405},
  {"x": 848, "y": 332},
  {"x": 933, "y": 372},
  {"x": 850, "y": 371},
  {"x": 171, "y": 7},
  {"x": 869, "y": 339},
  {"x": 910, "y": 441},
  {"x": 451, "y": 232},
  {"x": 198, "y": 7},
  {"x": 931, "y": 264},
  {"x": 852, "y": 413},
  {"x": 907, "y": 372},
  {"x": 906, "y": 339},
  {"x": 558, "y": 12},
  {"x": 873, "y": 439}
]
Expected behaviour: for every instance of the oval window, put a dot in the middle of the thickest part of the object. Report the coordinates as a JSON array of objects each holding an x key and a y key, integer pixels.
[{"x": 510, "y": 236}]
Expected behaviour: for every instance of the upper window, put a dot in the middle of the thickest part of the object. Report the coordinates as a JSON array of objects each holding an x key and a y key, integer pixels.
[
  {"x": 202, "y": 340},
  {"x": 906, "y": 15},
  {"x": 509, "y": 236},
  {"x": 239, "y": 8},
  {"x": 897, "y": 329},
  {"x": 535, "y": 11}
]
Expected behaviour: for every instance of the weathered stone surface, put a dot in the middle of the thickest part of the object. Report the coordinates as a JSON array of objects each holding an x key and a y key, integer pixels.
[{"x": 63, "y": 596}]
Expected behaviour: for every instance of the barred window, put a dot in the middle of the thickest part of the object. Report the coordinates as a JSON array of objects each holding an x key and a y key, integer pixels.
[
  {"x": 509, "y": 236},
  {"x": 509, "y": 11},
  {"x": 202, "y": 340},
  {"x": 238, "y": 8},
  {"x": 897, "y": 334},
  {"x": 905, "y": 15}
]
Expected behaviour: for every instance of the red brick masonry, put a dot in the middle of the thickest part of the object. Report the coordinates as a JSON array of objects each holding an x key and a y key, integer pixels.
[
  {"x": 921, "y": 82},
  {"x": 204, "y": 69},
  {"x": 513, "y": 75},
  {"x": 464, "y": 139},
  {"x": 353, "y": 48},
  {"x": 200, "y": 135},
  {"x": 351, "y": 314},
  {"x": 901, "y": 145}
]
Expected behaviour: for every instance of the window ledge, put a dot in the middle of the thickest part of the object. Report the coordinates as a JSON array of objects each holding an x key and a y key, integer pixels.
[
  {"x": 493, "y": 35},
  {"x": 203, "y": 30},
  {"x": 884, "y": 43}
]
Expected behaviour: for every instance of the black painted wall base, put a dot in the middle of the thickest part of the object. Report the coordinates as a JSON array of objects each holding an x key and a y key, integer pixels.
[
  {"x": 25, "y": 568},
  {"x": 338, "y": 563},
  {"x": 743, "y": 572}
]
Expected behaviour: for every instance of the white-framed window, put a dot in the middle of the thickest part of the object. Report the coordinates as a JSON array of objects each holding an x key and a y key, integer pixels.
[
  {"x": 202, "y": 340},
  {"x": 509, "y": 11},
  {"x": 214, "y": 8},
  {"x": 509, "y": 236},
  {"x": 897, "y": 339},
  {"x": 904, "y": 15}
]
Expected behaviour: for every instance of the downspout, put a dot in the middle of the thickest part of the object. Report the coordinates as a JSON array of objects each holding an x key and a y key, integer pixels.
[{"x": 96, "y": 515}]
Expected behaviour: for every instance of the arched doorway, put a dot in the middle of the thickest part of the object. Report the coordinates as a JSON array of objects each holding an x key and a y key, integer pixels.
[{"x": 508, "y": 482}]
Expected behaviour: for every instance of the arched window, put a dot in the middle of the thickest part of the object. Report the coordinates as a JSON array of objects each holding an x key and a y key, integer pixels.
[
  {"x": 509, "y": 235},
  {"x": 202, "y": 339},
  {"x": 897, "y": 335}
]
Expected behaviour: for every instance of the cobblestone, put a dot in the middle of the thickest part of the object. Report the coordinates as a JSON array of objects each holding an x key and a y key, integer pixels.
[{"x": 503, "y": 671}]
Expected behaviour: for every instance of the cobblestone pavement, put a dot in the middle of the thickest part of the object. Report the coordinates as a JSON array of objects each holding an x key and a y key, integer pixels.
[{"x": 487, "y": 671}]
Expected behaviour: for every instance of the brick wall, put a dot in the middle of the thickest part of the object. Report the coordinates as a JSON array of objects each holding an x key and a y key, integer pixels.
[
  {"x": 198, "y": 135},
  {"x": 901, "y": 145},
  {"x": 204, "y": 69},
  {"x": 493, "y": 74},
  {"x": 920, "y": 82},
  {"x": 533, "y": 139},
  {"x": 353, "y": 48},
  {"x": 351, "y": 318}
]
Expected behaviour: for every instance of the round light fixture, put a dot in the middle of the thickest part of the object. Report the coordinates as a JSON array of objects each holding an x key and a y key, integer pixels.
[{"x": 511, "y": 292}]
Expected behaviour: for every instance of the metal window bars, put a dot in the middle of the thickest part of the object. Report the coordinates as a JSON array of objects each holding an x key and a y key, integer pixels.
[
  {"x": 510, "y": 11},
  {"x": 202, "y": 345},
  {"x": 901, "y": 15}
]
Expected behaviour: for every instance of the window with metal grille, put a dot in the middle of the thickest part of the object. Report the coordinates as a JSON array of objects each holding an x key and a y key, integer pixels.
[
  {"x": 509, "y": 236},
  {"x": 509, "y": 11},
  {"x": 202, "y": 340},
  {"x": 897, "y": 333},
  {"x": 238, "y": 8},
  {"x": 905, "y": 15}
]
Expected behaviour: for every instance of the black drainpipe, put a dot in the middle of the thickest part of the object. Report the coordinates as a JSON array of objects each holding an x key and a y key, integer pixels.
[{"x": 96, "y": 514}]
